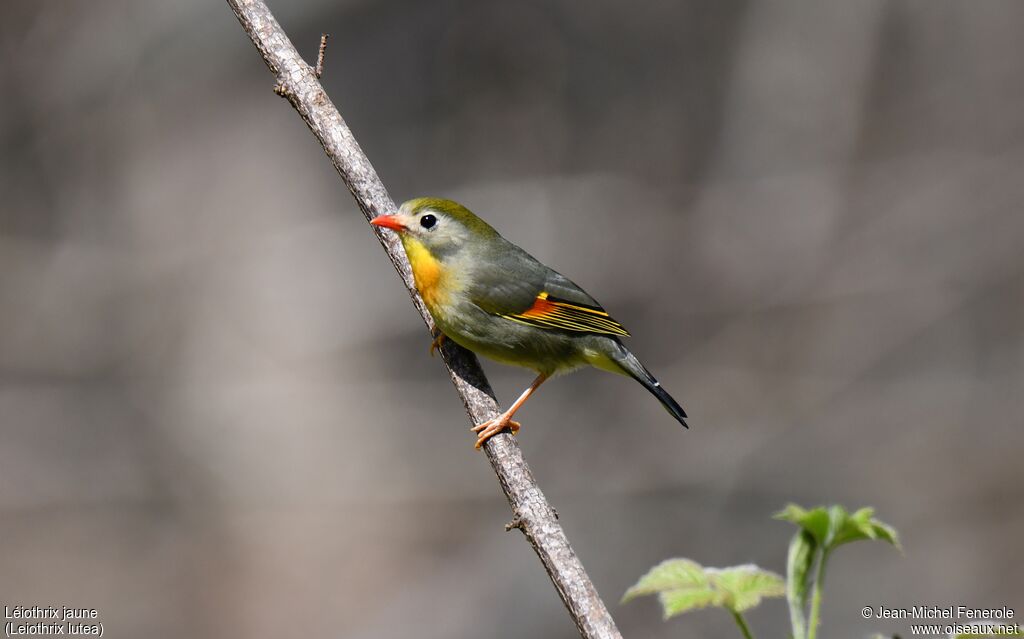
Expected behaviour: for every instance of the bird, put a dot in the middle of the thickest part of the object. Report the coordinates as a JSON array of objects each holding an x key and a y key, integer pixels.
[{"x": 495, "y": 299}]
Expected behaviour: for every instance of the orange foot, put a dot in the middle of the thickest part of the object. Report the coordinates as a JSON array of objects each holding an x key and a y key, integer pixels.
[
  {"x": 492, "y": 427},
  {"x": 436, "y": 344}
]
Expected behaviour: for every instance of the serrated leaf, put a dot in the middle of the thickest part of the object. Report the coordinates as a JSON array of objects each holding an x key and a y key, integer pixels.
[
  {"x": 671, "y": 574},
  {"x": 815, "y": 521},
  {"x": 862, "y": 515},
  {"x": 885, "y": 532},
  {"x": 798, "y": 570},
  {"x": 683, "y": 585},
  {"x": 834, "y": 526},
  {"x": 861, "y": 520},
  {"x": 860, "y": 525},
  {"x": 676, "y": 602},
  {"x": 791, "y": 513},
  {"x": 745, "y": 586}
]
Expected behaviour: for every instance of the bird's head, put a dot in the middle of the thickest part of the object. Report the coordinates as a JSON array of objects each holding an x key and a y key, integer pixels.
[{"x": 442, "y": 227}]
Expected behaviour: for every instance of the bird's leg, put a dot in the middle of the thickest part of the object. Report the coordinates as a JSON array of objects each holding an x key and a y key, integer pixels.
[
  {"x": 438, "y": 341},
  {"x": 492, "y": 427}
]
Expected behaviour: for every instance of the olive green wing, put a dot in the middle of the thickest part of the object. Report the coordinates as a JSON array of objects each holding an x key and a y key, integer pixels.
[{"x": 520, "y": 289}]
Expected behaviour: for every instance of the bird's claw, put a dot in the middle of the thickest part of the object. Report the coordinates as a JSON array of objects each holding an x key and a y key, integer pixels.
[
  {"x": 436, "y": 344},
  {"x": 492, "y": 427},
  {"x": 513, "y": 426}
]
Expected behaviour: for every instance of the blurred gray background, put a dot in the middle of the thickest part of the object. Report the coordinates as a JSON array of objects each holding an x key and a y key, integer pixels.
[{"x": 217, "y": 412}]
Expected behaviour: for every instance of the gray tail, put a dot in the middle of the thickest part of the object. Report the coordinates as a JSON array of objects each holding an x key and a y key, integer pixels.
[{"x": 632, "y": 366}]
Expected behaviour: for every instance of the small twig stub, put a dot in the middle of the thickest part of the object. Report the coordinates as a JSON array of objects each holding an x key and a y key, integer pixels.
[
  {"x": 320, "y": 55},
  {"x": 516, "y": 522}
]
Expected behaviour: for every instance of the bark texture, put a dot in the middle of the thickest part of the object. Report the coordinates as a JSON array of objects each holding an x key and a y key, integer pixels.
[{"x": 532, "y": 514}]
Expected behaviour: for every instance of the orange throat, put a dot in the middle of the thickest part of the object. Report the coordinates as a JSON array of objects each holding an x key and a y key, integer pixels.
[{"x": 429, "y": 274}]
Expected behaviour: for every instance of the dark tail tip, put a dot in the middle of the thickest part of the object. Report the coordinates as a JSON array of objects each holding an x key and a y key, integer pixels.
[
  {"x": 632, "y": 366},
  {"x": 670, "y": 404}
]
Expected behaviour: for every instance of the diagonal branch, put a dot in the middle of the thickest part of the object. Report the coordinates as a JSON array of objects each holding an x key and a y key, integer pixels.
[{"x": 532, "y": 513}]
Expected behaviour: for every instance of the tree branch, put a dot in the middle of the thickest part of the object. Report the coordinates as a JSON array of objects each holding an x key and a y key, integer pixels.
[{"x": 298, "y": 82}]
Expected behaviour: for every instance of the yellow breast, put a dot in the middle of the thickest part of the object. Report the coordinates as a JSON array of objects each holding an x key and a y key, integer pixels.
[{"x": 432, "y": 278}]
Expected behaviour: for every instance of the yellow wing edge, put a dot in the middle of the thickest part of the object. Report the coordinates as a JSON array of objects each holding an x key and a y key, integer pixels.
[{"x": 553, "y": 313}]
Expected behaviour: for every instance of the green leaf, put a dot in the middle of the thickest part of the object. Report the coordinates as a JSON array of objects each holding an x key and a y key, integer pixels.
[
  {"x": 860, "y": 525},
  {"x": 671, "y": 574},
  {"x": 814, "y": 521},
  {"x": 887, "y": 533},
  {"x": 676, "y": 602},
  {"x": 798, "y": 571},
  {"x": 745, "y": 586},
  {"x": 834, "y": 526},
  {"x": 683, "y": 585}
]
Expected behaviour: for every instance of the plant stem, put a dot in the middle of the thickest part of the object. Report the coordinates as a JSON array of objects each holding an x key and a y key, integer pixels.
[
  {"x": 819, "y": 582},
  {"x": 742, "y": 623}
]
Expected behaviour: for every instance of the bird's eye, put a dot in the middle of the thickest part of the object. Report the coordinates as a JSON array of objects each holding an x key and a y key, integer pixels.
[{"x": 427, "y": 221}]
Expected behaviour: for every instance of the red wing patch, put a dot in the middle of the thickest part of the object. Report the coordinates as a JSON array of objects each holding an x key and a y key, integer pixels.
[{"x": 553, "y": 313}]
